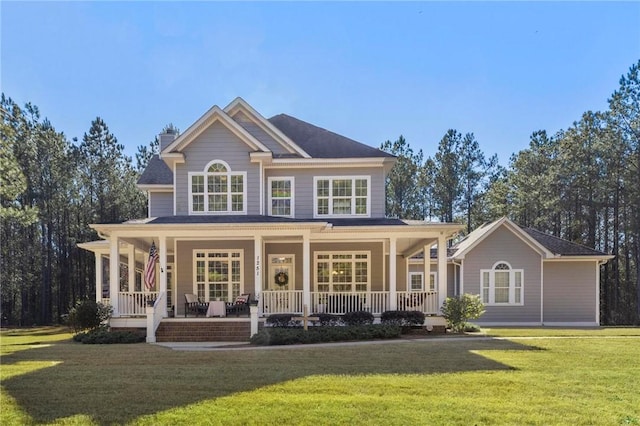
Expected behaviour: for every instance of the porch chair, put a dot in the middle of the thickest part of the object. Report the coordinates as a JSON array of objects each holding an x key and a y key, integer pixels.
[
  {"x": 240, "y": 305},
  {"x": 193, "y": 304}
]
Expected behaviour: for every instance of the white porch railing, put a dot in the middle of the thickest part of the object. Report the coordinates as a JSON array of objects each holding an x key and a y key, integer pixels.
[
  {"x": 134, "y": 303},
  {"x": 281, "y": 302},
  {"x": 424, "y": 301},
  {"x": 376, "y": 302}
]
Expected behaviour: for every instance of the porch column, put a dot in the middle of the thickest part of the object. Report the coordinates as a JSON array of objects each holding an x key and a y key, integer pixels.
[
  {"x": 306, "y": 270},
  {"x": 393, "y": 305},
  {"x": 98, "y": 277},
  {"x": 162, "y": 254},
  {"x": 442, "y": 269},
  {"x": 131, "y": 264},
  {"x": 427, "y": 267},
  {"x": 114, "y": 273},
  {"x": 257, "y": 251}
]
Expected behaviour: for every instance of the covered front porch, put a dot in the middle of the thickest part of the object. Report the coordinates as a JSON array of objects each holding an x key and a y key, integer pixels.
[{"x": 285, "y": 265}]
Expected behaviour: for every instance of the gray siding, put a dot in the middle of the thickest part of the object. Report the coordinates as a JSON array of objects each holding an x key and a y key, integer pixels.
[
  {"x": 304, "y": 187},
  {"x": 217, "y": 143},
  {"x": 160, "y": 204},
  {"x": 570, "y": 292},
  {"x": 185, "y": 281},
  {"x": 503, "y": 245},
  {"x": 258, "y": 133}
]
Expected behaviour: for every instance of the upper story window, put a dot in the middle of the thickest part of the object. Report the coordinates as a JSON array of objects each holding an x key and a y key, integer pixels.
[
  {"x": 217, "y": 190},
  {"x": 502, "y": 285},
  {"x": 281, "y": 201},
  {"x": 342, "y": 196}
]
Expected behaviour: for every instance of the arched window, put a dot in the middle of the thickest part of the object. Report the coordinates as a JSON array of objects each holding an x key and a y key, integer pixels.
[
  {"x": 502, "y": 285},
  {"x": 217, "y": 190}
]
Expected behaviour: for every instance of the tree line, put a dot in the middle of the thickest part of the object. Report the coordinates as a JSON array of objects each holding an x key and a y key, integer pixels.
[{"x": 581, "y": 184}]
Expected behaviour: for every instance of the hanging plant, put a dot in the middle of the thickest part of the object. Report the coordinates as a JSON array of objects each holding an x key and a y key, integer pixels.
[{"x": 282, "y": 279}]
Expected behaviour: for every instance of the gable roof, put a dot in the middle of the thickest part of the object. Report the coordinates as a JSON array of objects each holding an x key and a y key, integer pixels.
[
  {"x": 322, "y": 143},
  {"x": 561, "y": 246},
  {"x": 548, "y": 245},
  {"x": 479, "y": 234},
  {"x": 240, "y": 105},
  {"x": 156, "y": 173},
  {"x": 214, "y": 114}
]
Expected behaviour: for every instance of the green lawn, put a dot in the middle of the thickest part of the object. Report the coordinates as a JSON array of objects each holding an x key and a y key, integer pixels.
[{"x": 570, "y": 380}]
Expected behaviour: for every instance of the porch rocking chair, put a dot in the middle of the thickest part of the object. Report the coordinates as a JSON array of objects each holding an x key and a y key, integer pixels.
[
  {"x": 193, "y": 304},
  {"x": 240, "y": 306}
]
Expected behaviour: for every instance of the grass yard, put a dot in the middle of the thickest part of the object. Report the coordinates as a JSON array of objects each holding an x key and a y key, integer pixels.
[{"x": 576, "y": 377}]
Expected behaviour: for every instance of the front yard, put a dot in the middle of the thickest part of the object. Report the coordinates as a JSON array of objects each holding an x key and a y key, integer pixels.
[{"x": 572, "y": 377}]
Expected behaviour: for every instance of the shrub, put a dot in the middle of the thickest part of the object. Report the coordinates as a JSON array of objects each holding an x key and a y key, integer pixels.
[
  {"x": 88, "y": 315},
  {"x": 358, "y": 318},
  {"x": 460, "y": 309},
  {"x": 102, "y": 335},
  {"x": 402, "y": 318},
  {"x": 329, "y": 320},
  {"x": 281, "y": 320},
  {"x": 471, "y": 328},
  {"x": 290, "y": 336}
]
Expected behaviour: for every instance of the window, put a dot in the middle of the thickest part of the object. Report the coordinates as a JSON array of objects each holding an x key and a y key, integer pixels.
[
  {"x": 281, "y": 196},
  {"x": 342, "y": 196},
  {"x": 342, "y": 271},
  {"x": 502, "y": 285},
  {"x": 217, "y": 190},
  {"x": 218, "y": 274},
  {"x": 416, "y": 281}
]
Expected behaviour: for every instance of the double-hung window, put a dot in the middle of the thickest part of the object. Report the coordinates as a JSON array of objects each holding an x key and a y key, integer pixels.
[
  {"x": 416, "y": 282},
  {"x": 502, "y": 285},
  {"x": 281, "y": 201},
  {"x": 342, "y": 271},
  {"x": 342, "y": 196},
  {"x": 218, "y": 190}
]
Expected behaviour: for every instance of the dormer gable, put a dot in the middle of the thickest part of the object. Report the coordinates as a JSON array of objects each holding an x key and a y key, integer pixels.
[{"x": 173, "y": 152}]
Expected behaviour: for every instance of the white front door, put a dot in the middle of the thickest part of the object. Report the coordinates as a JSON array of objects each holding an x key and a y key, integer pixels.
[{"x": 281, "y": 272}]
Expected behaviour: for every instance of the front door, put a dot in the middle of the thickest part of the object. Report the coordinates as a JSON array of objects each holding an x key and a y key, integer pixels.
[{"x": 281, "y": 272}]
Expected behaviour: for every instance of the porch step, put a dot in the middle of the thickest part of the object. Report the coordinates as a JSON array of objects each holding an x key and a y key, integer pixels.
[{"x": 203, "y": 331}]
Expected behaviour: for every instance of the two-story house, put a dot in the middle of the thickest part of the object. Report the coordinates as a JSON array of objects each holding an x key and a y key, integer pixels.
[{"x": 294, "y": 215}]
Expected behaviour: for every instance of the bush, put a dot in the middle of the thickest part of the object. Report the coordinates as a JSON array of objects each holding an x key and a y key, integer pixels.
[
  {"x": 402, "y": 318},
  {"x": 358, "y": 318},
  {"x": 329, "y": 320},
  {"x": 471, "y": 328},
  {"x": 88, "y": 315},
  {"x": 291, "y": 336},
  {"x": 102, "y": 335},
  {"x": 281, "y": 320},
  {"x": 460, "y": 309}
]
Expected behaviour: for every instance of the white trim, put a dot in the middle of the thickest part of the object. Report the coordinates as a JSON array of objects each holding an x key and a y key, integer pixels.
[
  {"x": 492, "y": 289},
  {"x": 331, "y": 197},
  {"x": 291, "y": 180},
  {"x": 331, "y": 260},
  {"x": 598, "y": 292},
  {"x": 410, "y": 281},
  {"x": 205, "y": 194},
  {"x": 156, "y": 188},
  {"x": 205, "y": 121},
  {"x": 230, "y": 281}
]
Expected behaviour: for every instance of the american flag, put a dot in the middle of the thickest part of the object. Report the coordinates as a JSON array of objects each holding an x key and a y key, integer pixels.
[{"x": 150, "y": 272}]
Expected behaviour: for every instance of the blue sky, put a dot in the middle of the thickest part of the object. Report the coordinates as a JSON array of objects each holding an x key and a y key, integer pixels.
[{"x": 369, "y": 71}]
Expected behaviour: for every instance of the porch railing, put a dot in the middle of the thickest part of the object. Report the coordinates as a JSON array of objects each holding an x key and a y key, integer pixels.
[
  {"x": 154, "y": 316},
  {"x": 376, "y": 302},
  {"x": 424, "y": 301},
  {"x": 134, "y": 303},
  {"x": 281, "y": 302}
]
